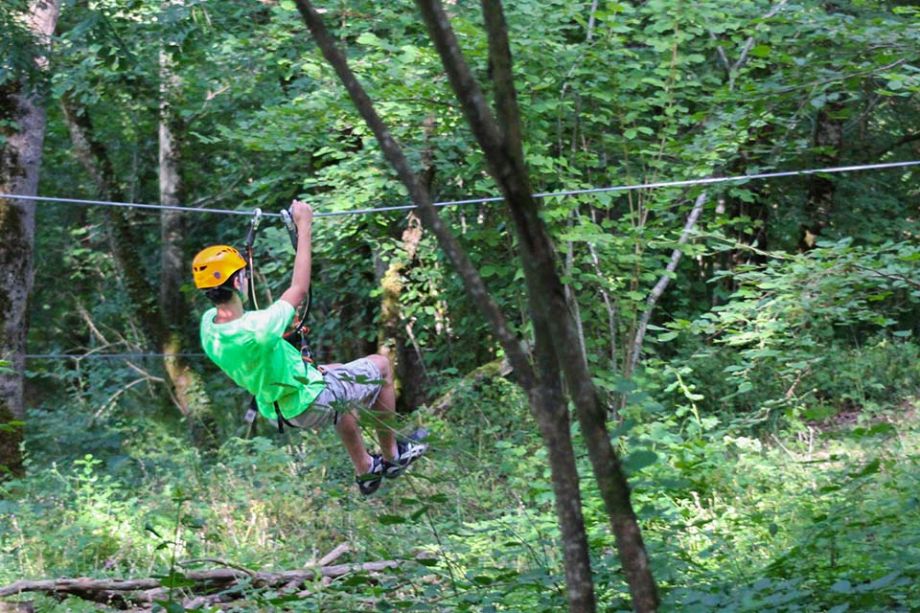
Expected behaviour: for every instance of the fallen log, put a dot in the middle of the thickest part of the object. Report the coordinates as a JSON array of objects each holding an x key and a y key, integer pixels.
[{"x": 122, "y": 592}]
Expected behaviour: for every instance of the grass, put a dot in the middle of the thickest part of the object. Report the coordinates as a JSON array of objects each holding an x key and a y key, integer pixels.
[{"x": 814, "y": 520}]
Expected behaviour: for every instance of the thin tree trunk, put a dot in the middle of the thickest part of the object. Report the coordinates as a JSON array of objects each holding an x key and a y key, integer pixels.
[
  {"x": 544, "y": 392},
  {"x": 655, "y": 295},
  {"x": 820, "y": 201},
  {"x": 395, "y": 341},
  {"x": 570, "y": 294},
  {"x": 504, "y": 154},
  {"x": 23, "y": 129},
  {"x": 188, "y": 388}
]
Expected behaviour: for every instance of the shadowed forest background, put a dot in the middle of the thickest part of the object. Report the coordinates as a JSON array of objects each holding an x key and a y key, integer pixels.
[{"x": 754, "y": 343}]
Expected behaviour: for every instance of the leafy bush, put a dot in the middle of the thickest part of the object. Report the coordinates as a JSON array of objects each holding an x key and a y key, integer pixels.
[{"x": 835, "y": 327}]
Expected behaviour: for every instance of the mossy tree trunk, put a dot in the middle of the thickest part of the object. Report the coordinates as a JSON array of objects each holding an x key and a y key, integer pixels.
[
  {"x": 395, "y": 338},
  {"x": 22, "y": 126},
  {"x": 190, "y": 393}
]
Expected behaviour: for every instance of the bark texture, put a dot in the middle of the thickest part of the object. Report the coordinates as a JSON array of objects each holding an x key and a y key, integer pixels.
[
  {"x": 222, "y": 585},
  {"x": 395, "y": 340},
  {"x": 635, "y": 353},
  {"x": 23, "y": 129},
  {"x": 544, "y": 389},
  {"x": 189, "y": 390},
  {"x": 503, "y": 151}
]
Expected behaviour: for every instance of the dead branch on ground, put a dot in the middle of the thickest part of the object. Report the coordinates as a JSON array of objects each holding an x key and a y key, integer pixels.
[{"x": 212, "y": 586}]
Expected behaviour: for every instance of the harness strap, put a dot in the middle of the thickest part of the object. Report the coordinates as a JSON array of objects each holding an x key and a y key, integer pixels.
[{"x": 282, "y": 420}]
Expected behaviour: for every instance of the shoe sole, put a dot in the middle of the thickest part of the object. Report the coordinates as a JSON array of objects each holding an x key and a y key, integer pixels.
[
  {"x": 394, "y": 470},
  {"x": 368, "y": 483}
]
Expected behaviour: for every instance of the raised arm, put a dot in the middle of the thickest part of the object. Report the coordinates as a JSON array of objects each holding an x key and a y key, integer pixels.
[{"x": 300, "y": 280}]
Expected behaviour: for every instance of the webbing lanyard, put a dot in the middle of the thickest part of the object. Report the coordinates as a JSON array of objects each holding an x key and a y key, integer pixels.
[
  {"x": 281, "y": 419},
  {"x": 250, "y": 241}
]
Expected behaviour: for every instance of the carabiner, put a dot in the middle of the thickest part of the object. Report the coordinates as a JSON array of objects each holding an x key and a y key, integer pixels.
[
  {"x": 291, "y": 228},
  {"x": 253, "y": 226}
]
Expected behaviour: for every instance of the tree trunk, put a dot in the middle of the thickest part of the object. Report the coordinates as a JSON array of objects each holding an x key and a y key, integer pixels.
[
  {"x": 544, "y": 390},
  {"x": 22, "y": 125},
  {"x": 503, "y": 150},
  {"x": 188, "y": 388},
  {"x": 635, "y": 349},
  {"x": 394, "y": 337},
  {"x": 820, "y": 201}
]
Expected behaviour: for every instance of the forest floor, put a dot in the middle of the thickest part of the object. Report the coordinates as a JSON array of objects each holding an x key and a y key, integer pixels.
[{"x": 816, "y": 517}]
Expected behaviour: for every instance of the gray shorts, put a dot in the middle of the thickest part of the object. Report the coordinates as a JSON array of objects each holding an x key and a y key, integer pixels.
[{"x": 349, "y": 387}]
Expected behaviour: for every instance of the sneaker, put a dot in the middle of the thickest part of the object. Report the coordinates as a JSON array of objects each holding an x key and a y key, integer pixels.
[
  {"x": 407, "y": 453},
  {"x": 370, "y": 481}
]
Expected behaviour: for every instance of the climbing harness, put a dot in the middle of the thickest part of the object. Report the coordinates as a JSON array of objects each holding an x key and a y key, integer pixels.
[{"x": 299, "y": 336}]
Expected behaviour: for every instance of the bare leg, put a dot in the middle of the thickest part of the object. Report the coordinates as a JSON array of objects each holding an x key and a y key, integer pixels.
[
  {"x": 385, "y": 407},
  {"x": 350, "y": 434}
]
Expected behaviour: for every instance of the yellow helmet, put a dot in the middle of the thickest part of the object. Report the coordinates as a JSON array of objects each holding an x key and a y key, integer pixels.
[{"x": 214, "y": 265}]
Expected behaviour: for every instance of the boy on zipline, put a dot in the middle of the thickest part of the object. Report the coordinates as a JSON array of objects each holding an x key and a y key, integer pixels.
[{"x": 249, "y": 347}]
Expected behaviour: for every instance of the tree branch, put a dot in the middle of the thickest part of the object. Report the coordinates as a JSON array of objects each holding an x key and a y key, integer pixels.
[
  {"x": 472, "y": 281},
  {"x": 732, "y": 69},
  {"x": 147, "y": 589},
  {"x": 662, "y": 284},
  {"x": 909, "y": 138}
]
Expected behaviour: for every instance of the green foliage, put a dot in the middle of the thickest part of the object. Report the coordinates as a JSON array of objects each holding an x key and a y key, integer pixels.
[
  {"x": 18, "y": 47},
  {"x": 813, "y": 520},
  {"x": 767, "y": 431},
  {"x": 832, "y": 327}
]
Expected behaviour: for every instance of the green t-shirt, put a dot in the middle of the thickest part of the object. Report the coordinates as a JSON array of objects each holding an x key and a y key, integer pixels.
[{"x": 253, "y": 353}]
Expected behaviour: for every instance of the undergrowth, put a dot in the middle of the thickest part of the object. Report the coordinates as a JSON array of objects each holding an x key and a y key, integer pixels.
[{"x": 811, "y": 518}]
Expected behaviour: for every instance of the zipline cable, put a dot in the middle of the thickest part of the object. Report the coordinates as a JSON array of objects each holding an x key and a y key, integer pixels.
[
  {"x": 576, "y": 192},
  {"x": 485, "y": 200}
]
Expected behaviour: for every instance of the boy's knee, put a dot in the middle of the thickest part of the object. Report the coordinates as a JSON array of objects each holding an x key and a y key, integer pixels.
[{"x": 382, "y": 364}]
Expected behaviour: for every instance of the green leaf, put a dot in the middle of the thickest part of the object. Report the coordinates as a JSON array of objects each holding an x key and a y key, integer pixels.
[
  {"x": 419, "y": 512},
  {"x": 761, "y": 51},
  {"x": 638, "y": 460},
  {"x": 879, "y": 583},
  {"x": 389, "y": 520},
  {"x": 171, "y": 606},
  {"x": 369, "y": 39},
  {"x": 174, "y": 580},
  {"x": 869, "y": 469},
  {"x": 152, "y": 530}
]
